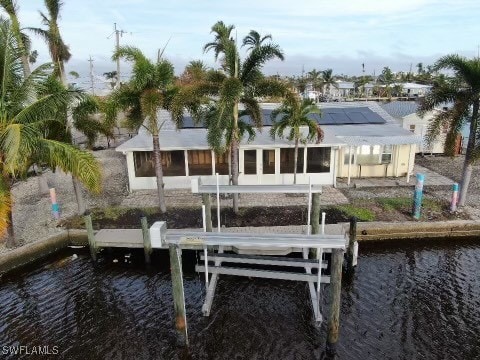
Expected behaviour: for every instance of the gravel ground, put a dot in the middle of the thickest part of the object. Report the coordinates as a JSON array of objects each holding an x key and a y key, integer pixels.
[
  {"x": 32, "y": 211},
  {"x": 452, "y": 168}
]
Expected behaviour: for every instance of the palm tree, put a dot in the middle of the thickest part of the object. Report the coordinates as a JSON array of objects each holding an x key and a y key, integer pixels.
[
  {"x": 464, "y": 92},
  {"x": 241, "y": 82},
  {"x": 25, "y": 114},
  {"x": 315, "y": 77},
  {"x": 147, "y": 92},
  {"x": 23, "y": 41},
  {"x": 57, "y": 48},
  {"x": 254, "y": 39},
  {"x": 292, "y": 115},
  {"x": 328, "y": 80},
  {"x": 196, "y": 71}
]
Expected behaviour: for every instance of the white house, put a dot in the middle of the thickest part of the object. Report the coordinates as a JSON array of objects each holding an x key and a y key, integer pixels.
[
  {"x": 414, "y": 90},
  {"x": 405, "y": 112},
  {"x": 377, "y": 144},
  {"x": 343, "y": 89}
]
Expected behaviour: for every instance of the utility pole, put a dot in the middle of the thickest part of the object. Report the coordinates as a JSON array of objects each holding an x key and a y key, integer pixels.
[
  {"x": 92, "y": 82},
  {"x": 118, "y": 33}
]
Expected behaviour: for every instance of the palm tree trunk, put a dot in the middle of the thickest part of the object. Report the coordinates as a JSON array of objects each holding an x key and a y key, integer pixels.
[
  {"x": 159, "y": 173},
  {"x": 467, "y": 165},
  {"x": 295, "y": 161},
  {"x": 26, "y": 66},
  {"x": 78, "y": 195},
  {"x": 11, "y": 241},
  {"x": 235, "y": 156}
]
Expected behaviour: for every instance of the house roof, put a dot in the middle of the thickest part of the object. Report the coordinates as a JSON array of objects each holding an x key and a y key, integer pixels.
[
  {"x": 388, "y": 131},
  {"x": 400, "y": 109}
]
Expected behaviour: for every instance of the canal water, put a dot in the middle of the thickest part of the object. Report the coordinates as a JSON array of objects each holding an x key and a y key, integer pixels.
[{"x": 405, "y": 301}]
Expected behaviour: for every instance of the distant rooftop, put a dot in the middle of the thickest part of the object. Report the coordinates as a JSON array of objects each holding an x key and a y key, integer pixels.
[{"x": 400, "y": 109}]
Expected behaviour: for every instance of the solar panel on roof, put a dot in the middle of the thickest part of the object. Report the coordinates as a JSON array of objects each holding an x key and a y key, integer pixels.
[{"x": 329, "y": 116}]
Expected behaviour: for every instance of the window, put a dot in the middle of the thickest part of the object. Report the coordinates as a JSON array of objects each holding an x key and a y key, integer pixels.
[
  {"x": 412, "y": 128},
  {"x": 199, "y": 162},
  {"x": 287, "y": 160},
  {"x": 368, "y": 154},
  {"x": 269, "y": 161},
  {"x": 173, "y": 163},
  {"x": 221, "y": 164},
  {"x": 387, "y": 154},
  {"x": 347, "y": 155},
  {"x": 143, "y": 163},
  {"x": 318, "y": 160},
  {"x": 250, "y": 162}
]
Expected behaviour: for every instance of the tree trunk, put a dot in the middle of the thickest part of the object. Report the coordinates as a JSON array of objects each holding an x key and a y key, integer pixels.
[
  {"x": 159, "y": 173},
  {"x": 295, "y": 161},
  {"x": 235, "y": 172},
  {"x": 11, "y": 241},
  {"x": 467, "y": 165},
  {"x": 77, "y": 188},
  {"x": 235, "y": 143},
  {"x": 26, "y": 66}
]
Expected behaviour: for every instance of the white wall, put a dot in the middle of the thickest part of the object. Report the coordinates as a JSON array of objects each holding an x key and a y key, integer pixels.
[{"x": 421, "y": 128}]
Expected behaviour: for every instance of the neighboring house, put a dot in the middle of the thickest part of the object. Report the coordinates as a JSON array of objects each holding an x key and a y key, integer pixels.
[
  {"x": 413, "y": 90},
  {"x": 379, "y": 147},
  {"x": 344, "y": 89},
  {"x": 405, "y": 112}
]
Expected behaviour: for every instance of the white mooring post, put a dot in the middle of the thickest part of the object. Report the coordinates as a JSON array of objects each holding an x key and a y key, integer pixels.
[
  {"x": 205, "y": 251},
  {"x": 218, "y": 203},
  {"x": 323, "y": 223},
  {"x": 309, "y": 205}
]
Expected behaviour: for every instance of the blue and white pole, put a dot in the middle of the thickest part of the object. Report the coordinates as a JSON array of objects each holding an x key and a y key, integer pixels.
[
  {"x": 55, "y": 207},
  {"x": 453, "y": 204},
  {"x": 417, "y": 196}
]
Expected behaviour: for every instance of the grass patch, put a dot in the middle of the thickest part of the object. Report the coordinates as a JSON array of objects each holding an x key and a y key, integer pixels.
[
  {"x": 406, "y": 203},
  {"x": 111, "y": 213},
  {"x": 361, "y": 213}
]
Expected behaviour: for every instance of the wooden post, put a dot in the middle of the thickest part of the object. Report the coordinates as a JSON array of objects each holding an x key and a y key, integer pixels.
[
  {"x": 208, "y": 211},
  {"x": 178, "y": 293},
  {"x": 91, "y": 236},
  {"x": 316, "y": 213},
  {"x": 147, "y": 244},
  {"x": 351, "y": 242},
  {"x": 336, "y": 291}
]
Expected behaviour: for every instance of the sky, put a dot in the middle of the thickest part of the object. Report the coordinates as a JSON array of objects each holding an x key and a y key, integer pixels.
[{"x": 320, "y": 34}]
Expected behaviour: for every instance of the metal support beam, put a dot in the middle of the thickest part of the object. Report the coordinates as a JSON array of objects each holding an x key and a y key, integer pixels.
[
  {"x": 207, "y": 305},
  {"x": 264, "y": 260},
  {"x": 266, "y": 274}
]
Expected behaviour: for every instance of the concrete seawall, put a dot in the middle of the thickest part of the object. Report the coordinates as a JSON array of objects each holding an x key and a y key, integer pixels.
[
  {"x": 417, "y": 230},
  {"x": 372, "y": 231}
]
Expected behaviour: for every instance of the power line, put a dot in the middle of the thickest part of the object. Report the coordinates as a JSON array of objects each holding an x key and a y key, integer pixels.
[
  {"x": 92, "y": 80},
  {"x": 118, "y": 33}
]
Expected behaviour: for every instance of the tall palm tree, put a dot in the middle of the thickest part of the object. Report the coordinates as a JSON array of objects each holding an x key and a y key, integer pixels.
[
  {"x": 328, "y": 80},
  {"x": 51, "y": 34},
  {"x": 23, "y": 41},
  {"x": 291, "y": 116},
  {"x": 464, "y": 92},
  {"x": 25, "y": 113},
  {"x": 241, "y": 82},
  {"x": 147, "y": 92}
]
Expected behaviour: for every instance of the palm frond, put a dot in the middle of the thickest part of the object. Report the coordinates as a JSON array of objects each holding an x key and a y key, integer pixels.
[{"x": 81, "y": 164}]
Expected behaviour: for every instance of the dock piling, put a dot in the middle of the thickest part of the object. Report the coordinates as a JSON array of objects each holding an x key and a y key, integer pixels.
[
  {"x": 91, "y": 236},
  {"x": 316, "y": 213},
  {"x": 208, "y": 211},
  {"x": 178, "y": 293},
  {"x": 147, "y": 244},
  {"x": 336, "y": 290},
  {"x": 352, "y": 244}
]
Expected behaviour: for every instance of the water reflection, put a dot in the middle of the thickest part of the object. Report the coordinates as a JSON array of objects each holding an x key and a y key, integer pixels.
[{"x": 403, "y": 302}]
